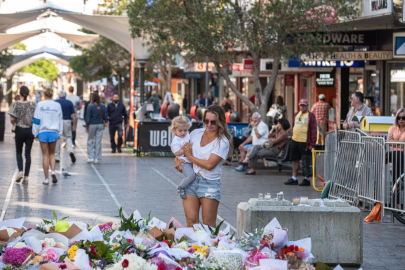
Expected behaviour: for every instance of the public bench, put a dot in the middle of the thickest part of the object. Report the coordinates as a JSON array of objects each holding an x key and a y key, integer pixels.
[{"x": 282, "y": 159}]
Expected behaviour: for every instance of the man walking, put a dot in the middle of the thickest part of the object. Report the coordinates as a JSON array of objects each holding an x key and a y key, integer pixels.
[
  {"x": 260, "y": 132},
  {"x": 321, "y": 110},
  {"x": 303, "y": 140},
  {"x": 77, "y": 103},
  {"x": 116, "y": 113},
  {"x": 358, "y": 109},
  {"x": 69, "y": 117}
]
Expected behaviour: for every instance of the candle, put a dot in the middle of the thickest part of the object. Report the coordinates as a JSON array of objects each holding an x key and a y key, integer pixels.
[
  {"x": 304, "y": 200},
  {"x": 260, "y": 196},
  {"x": 268, "y": 196},
  {"x": 280, "y": 196},
  {"x": 296, "y": 201}
]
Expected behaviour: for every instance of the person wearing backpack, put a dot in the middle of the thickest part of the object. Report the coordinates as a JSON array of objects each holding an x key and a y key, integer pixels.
[
  {"x": 96, "y": 120},
  {"x": 22, "y": 117}
]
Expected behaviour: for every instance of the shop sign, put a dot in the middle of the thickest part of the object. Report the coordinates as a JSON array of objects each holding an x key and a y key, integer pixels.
[
  {"x": 351, "y": 56},
  {"x": 348, "y": 38},
  {"x": 325, "y": 79},
  {"x": 294, "y": 63},
  {"x": 237, "y": 67},
  {"x": 376, "y": 7},
  {"x": 199, "y": 67},
  {"x": 399, "y": 44},
  {"x": 289, "y": 79},
  {"x": 247, "y": 64},
  {"x": 194, "y": 75}
]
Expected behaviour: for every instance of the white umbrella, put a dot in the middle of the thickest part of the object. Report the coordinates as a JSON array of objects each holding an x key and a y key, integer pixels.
[{"x": 29, "y": 77}]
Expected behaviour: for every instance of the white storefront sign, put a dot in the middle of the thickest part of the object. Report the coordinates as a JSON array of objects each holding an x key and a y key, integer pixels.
[{"x": 350, "y": 56}]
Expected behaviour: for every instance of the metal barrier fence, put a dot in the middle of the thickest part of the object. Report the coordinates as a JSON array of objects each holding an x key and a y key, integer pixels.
[
  {"x": 364, "y": 167},
  {"x": 346, "y": 174}
]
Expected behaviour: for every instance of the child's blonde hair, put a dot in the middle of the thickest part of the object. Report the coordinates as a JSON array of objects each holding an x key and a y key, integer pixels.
[{"x": 179, "y": 121}]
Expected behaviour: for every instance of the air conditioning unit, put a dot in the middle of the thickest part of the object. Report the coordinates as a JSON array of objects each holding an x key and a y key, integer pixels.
[{"x": 267, "y": 64}]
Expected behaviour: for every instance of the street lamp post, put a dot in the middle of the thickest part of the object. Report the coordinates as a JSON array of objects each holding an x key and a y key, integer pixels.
[
  {"x": 142, "y": 80},
  {"x": 206, "y": 75}
]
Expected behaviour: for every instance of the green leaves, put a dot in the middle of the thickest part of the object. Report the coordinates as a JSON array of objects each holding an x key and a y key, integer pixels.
[{"x": 42, "y": 68}]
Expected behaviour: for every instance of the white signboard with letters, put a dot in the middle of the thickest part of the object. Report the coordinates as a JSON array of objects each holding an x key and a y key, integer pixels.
[
  {"x": 351, "y": 56},
  {"x": 376, "y": 8}
]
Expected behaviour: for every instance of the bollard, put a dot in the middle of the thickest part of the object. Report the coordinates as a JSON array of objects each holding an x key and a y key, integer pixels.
[{"x": 2, "y": 125}]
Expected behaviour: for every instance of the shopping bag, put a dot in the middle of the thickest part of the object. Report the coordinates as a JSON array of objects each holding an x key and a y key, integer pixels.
[{"x": 375, "y": 214}]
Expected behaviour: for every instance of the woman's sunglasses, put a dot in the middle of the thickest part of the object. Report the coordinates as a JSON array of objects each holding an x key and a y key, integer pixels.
[
  {"x": 213, "y": 122},
  {"x": 401, "y": 118}
]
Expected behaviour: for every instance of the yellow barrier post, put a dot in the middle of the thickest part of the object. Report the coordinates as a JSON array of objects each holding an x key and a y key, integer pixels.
[{"x": 314, "y": 153}]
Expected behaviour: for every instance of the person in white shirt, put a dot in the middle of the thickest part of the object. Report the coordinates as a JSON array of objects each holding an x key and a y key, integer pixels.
[
  {"x": 168, "y": 98},
  {"x": 47, "y": 128},
  {"x": 208, "y": 149},
  {"x": 77, "y": 103},
  {"x": 180, "y": 126},
  {"x": 260, "y": 132}
]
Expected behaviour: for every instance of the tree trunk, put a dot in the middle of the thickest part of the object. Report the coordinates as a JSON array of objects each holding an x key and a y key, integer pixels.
[
  {"x": 224, "y": 72},
  {"x": 270, "y": 86},
  {"x": 119, "y": 87}
]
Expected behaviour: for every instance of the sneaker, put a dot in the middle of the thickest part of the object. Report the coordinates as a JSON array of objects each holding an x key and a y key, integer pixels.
[
  {"x": 57, "y": 160},
  {"x": 182, "y": 193},
  {"x": 96, "y": 161},
  {"x": 54, "y": 179},
  {"x": 119, "y": 150},
  {"x": 90, "y": 160},
  {"x": 291, "y": 182},
  {"x": 305, "y": 183},
  {"x": 72, "y": 157},
  {"x": 46, "y": 182},
  {"x": 113, "y": 151},
  {"x": 25, "y": 181},
  {"x": 19, "y": 177},
  {"x": 63, "y": 145},
  {"x": 241, "y": 168}
]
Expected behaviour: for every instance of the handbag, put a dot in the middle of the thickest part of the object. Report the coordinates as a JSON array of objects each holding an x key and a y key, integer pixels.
[
  {"x": 267, "y": 145},
  {"x": 99, "y": 111}
]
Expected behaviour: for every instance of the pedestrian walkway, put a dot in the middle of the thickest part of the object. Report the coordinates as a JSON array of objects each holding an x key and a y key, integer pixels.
[{"x": 94, "y": 192}]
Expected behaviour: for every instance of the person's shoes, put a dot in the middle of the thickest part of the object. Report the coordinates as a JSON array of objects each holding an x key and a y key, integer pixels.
[
  {"x": 291, "y": 182},
  {"x": 305, "y": 183},
  {"x": 72, "y": 157},
  {"x": 96, "y": 161},
  {"x": 25, "y": 181},
  {"x": 250, "y": 173},
  {"x": 54, "y": 179},
  {"x": 73, "y": 145},
  {"x": 90, "y": 160},
  {"x": 226, "y": 163},
  {"x": 46, "y": 182},
  {"x": 113, "y": 151},
  {"x": 19, "y": 177},
  {"x": 241, "y": 168},
  {"x": 119, "y": 150},
  {"x": 57, "y": 160},
  {"x": 63, "y": 145},
  {"x": 182, "y": 193}
]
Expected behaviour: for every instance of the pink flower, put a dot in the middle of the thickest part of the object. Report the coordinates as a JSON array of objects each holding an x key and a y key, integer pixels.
[
  {"x": 15, "y": 255},
  {"x": 53, "y": 256},
  {"x": 44, "y": 245},
  {"x": 129, "y": 240}
]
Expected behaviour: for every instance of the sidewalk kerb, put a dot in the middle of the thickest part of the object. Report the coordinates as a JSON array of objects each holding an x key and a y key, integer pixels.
[{"x": 8, "y": 196}]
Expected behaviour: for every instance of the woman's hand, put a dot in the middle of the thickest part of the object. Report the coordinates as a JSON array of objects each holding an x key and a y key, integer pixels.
[
  {"x": 188, "y": 149},
  {"x": 177, "y": 163},
  {"x": 36, "y": 138}
]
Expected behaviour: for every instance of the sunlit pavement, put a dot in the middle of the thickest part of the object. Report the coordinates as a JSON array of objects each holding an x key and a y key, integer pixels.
[{"x": 94, "y": 192}]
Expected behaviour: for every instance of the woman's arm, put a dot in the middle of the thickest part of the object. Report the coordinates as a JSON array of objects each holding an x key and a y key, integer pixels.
[
  {"x": 13, "y": 120},
  {"x": 209, "y": 164}
]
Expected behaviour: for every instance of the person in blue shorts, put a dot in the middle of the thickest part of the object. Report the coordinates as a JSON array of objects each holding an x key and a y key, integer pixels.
[{"x": 47, "y": 128}]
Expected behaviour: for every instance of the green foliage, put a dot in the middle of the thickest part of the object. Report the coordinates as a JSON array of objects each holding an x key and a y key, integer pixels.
[
  {"x": 227, "y": 30},
  {"x": 130, "y": 223},
  {"x": 20, "y": 46},
  {"x": 55, "y": 219},
  {"x": 6, "y": 59},
  {"x": 43, "y": 68}
]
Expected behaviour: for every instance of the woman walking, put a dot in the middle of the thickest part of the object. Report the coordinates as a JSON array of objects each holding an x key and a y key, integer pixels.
[
  {"x": 96, "y": 120},
  {"x": 21, "y": 116},
  {"x": 47, "y": 128},
  {"x": 207, "y": 150}
]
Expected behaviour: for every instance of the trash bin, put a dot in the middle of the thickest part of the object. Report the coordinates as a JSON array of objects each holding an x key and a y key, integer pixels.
[{"x": 2, "y": 125}]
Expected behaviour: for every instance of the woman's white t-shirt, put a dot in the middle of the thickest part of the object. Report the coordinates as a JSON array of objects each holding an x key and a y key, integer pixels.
[
  {"x": 178, "y": 143},
  {"x": 217, "y": 147}
]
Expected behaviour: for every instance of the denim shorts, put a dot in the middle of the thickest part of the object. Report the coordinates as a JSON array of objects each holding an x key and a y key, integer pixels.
[
  {"x": 204, "y": 188},
  {"x": 247, "y": 146},
  {"x": 48, "y": 136}
]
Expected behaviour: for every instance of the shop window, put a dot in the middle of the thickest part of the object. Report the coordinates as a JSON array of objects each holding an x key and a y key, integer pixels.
[{"x": 396, "y": 87}]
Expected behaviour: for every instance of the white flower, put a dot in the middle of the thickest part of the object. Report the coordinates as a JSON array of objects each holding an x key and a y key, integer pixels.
[
  {"x": 134, "y": 263},
  {"x": 20, "y": 245},
  {"x": 183, "y": 245},
  {"x": 115, "y": 226},
  {"x": 47, "y": 227},
  {"x": 200, "y": 233},
  {"x": 10, "y": 231}
]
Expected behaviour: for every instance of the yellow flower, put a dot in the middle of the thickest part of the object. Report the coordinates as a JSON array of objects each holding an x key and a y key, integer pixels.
[
  {"x": 195, "y": 247},
  {"x": 72, "y": 252}
]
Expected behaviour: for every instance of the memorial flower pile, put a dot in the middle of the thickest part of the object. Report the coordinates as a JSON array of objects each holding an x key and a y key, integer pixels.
[{"x": 151, "y": 244}]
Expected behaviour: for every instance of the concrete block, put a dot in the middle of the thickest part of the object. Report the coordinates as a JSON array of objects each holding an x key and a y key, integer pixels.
[{"x": 335, "y": 227}]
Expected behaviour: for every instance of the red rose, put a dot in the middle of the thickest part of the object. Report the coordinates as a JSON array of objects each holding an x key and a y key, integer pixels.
[
  {"x": 178, "y": 268},
  {"x": 161, "y": 266},
  {"x": 62, "y": 266},
  {"x": 125, "y": 263},
  {"x": 129, "y": 240},
  {"x": 167, "y": 242}
]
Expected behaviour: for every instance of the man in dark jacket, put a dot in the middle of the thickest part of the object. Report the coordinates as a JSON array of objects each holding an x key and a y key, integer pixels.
[
  {"x": 116, "y": 113},
  {"x": 303, "y": 140}
]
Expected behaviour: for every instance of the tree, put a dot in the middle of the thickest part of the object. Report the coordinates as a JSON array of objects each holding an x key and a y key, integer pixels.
[
  {"x": 226, "y": 30},
  {"x": 20, "y": 46},
  {"x": 144, "y": 21},
  {"x": 6, "y": 59},
  {"x": 42, "y": 68}
]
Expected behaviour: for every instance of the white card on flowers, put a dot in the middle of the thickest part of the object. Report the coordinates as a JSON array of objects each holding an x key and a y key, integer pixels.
[
  {"x": 154, "y": 222},
  {"x": 187, "y": 232},
  {"x": 14, "y": 223}
]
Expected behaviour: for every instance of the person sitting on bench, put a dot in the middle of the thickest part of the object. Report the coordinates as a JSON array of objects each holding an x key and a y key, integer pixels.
[{"x": 277, "y": 139}]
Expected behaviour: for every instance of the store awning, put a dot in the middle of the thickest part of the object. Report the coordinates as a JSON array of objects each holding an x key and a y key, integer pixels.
[
  {"x": 29, "y": 77},
  {"x": 116, "y": 28},
  {"x": 7, "y": 40}
]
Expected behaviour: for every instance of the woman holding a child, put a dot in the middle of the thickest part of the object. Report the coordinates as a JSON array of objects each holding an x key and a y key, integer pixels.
[{"x": 207, "y": 150}]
